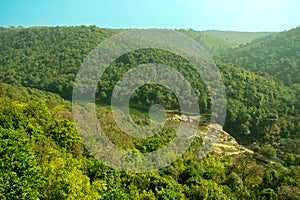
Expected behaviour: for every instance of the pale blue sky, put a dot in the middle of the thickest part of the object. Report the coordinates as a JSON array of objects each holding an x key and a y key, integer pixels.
[{"x": 240, "y": 15}]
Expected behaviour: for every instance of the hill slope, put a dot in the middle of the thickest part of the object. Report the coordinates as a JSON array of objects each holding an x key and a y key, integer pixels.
[
  {"x": 210, "y": 43},
  {"x": 236, "y": 37},
  {"x": 42, "y": 156},
  {"x": 277, "y": 55},
  {"x": 48, "y": 58}
]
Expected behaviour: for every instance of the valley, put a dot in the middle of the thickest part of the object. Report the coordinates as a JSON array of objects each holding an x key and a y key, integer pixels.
[{"x": 255, "y": 154}]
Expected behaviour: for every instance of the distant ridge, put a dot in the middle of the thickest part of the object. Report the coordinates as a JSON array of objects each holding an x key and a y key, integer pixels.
[
  {"x": 237, "y": 37},
  {"x": 276, "y": 55}
]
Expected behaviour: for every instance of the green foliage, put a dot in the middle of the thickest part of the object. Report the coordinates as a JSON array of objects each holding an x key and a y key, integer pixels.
[
  {"x": 42, "y": 157},
  {"x": 57, "y": 171},
  {"x": 288, "y": 193},
  {"x": 150, "y": 94},
  {"x": 268, "y": 194},
  {"x": 267, "y": 151},
  {"x": 26, "y": 94},
  {"x": 276, "y": 55},
  {"x": 19, "y": 174},
  {"x": 63, "y": 132},
  {"x": 46, "y": 57},
  {"x": 258, "y": 109},
  {"x": 64, "y": 179},
  {"x": 206, "y": 189}
]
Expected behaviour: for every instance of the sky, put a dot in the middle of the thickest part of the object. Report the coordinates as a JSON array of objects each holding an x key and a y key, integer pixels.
[{"x": 235, "y": 15}]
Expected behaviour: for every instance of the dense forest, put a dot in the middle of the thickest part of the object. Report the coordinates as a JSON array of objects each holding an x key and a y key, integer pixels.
[
  {"x": 277, "y": 55},
  {"x": 42, "y": 156}
]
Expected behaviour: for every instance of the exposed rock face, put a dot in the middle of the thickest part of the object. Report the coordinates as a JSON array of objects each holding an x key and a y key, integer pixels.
[
  {"x": 184, "y": 118},
  {"x": 223, "y": 143},
  {"x": 174, "y": 117},
  {"x": 215, "y": 139},
  {"x": 219, "y": 142}
]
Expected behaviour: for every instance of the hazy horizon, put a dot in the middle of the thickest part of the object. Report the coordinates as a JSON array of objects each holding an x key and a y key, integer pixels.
[
  {"x": 241, "y": 31},
  {"x": 233, "y": 15}
]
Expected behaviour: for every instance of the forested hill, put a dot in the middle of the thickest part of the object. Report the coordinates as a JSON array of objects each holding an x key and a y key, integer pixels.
[
  {"x": 42, "y": 156},
  {"x": 48, "y": 58},
  {"x": 236, "y": 37},
  {"x": 210, "y": 43},
  {"x": 277, "y": 55}
]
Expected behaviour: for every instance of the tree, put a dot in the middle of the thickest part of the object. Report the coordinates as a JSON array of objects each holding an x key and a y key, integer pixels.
[
  {"x": 19, "y": 174},
  {"x": 206, "y": 189},
  {"x": 267, "y": 194},
  {"x": 268, "y": 151},
  {"x": 286, "y": 192},
  {"x": 64, "y": 179},
  {"x": 289, "y": 158}
]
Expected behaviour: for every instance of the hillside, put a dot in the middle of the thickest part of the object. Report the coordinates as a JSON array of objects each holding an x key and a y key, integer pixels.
[
  {"x": 252, "y": 100},
  {"x": 236, "y": 37},
  {"x": 277, "y": 55},
  {"x": 43, "y": 157},
  {"x": 25, "y": 94},
  {"x": 212, "y": 44},
  {"x": 48, "y": 58}
]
